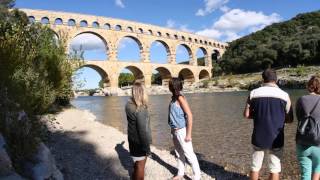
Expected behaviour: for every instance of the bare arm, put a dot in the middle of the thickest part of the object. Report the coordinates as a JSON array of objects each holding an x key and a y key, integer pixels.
[
  {"x": 185, "y": 107},
  {"x": 289, "y": 112},
  {"x": 247, "y": 111}
]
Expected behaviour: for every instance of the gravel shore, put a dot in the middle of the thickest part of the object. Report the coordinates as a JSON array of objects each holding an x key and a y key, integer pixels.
[{"x": 85, "y": 149}]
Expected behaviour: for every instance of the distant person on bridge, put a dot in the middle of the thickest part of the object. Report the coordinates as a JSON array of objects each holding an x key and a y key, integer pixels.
[
  {"x": 180, "y": 121},
  {"x": 139, "y": 133},
  {"x": 308, "y": 131},
  {"x": 270, "y": 108}
]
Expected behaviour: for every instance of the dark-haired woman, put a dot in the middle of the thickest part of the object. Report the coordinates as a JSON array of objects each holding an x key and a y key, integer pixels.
[
  {"x": 180, "y": 121},
  {"x": 139, "y": 133},
  {"x": 308, "y": 153}
]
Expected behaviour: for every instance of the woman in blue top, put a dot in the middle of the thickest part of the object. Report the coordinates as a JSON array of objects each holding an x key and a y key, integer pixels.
[{"x": 180, "y": 121}]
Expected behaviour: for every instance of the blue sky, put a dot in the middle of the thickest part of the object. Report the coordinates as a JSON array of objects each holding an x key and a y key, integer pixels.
[{"x": 224, "y": 20}]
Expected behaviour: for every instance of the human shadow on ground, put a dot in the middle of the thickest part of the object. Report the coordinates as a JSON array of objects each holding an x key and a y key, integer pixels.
[
  {"x": 78, "y": 159},
  {"x": 214, "y": 170},
  {"x": 218, "y": 171},
  {"x": 170, "y": 168},
  {"x": 125, "y": 158}
]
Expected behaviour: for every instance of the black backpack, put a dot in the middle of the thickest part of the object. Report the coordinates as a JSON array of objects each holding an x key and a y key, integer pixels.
[{"x": 308, "y": 130}]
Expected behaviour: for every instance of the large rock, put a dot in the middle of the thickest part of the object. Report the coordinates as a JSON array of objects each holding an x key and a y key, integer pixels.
[
  {"x": 5, "y": 161},
  {"x": 12, "y": 176},
  {"x": 43, "y": 165},
  {"x": 6, "y": 170}
]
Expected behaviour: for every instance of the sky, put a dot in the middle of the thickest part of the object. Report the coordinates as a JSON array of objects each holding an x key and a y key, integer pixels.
[{"x": 223, "y": 20}]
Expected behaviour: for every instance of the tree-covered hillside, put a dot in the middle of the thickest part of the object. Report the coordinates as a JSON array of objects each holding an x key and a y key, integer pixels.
[{"x": 290, "y": 43}]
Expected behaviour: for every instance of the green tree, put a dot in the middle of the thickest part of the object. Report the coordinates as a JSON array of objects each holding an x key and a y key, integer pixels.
[
  {"x": 291, "y": 43},
  {"x": 35, "y": 73}
]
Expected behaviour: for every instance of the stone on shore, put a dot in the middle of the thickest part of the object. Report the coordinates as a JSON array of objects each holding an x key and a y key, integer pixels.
[{"x": 43, "y": 165}]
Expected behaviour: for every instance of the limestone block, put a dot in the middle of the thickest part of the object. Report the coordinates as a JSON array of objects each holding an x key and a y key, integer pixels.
[
  {"x": 5, "y": 161},
  {"x": 44, "y": 166}
]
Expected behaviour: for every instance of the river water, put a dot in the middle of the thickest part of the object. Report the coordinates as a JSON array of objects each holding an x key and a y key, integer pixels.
[{"x": 221, "y": 136}]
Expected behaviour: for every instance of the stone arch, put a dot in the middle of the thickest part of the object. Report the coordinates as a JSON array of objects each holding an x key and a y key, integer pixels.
[
  {"x": 216, "y": 55},
  {"x": 105, "y": 42},
  {"x": 129, "y": 29},
  {"x": 165, "y": 45},
  {"x": 83, "y": 23},
  {"x": 137, "y": 73},
  {"x": 107, "y": 26},
  {"x": 58, "y": 21},
  {"x": 204, "y": 75},
  {"x": 150, "y": 32},
  {"x": 165, "y": 75},
  {"x": 202, "y": 61},
  {"x": 189, "y": 51},
  {"x": 187, "y": 76},
  {"x": 118, "y": 27},
  {"x": 32, "y": 19},
  {"x": 140, "y": 31},
  {"x": 71, "y": 22},
  {"x": 135, "y": 39},
  {"x": 95, "y": 24},
  {"x": 45, "y": 20},
  {"x": 104, "y": 75}
]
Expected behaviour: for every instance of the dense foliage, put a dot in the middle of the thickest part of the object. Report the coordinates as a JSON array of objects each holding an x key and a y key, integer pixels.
[
  {"x": 126, "y": 79},
  {"x": 291, "y": 43},
  {"x": 35, "y": 73}
]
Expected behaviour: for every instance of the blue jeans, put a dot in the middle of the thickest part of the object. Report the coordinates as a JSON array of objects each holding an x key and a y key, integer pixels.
[{"x": 309, "y": 160}]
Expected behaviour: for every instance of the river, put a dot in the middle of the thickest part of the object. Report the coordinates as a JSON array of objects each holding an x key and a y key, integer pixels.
[{"x": 220, "y": 134}]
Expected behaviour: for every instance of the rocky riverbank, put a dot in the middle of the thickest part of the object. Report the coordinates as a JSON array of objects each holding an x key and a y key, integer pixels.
[
  {"x": 86, "y": 149},
  {"x": 158, "y": 90}
]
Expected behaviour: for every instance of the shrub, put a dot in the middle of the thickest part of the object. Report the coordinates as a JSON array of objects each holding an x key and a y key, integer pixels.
[{"x": 35, "y": 73}]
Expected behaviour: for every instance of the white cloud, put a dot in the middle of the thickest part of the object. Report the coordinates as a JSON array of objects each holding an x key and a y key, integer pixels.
[
  {"x": 126, "y": 41},
  {"x": 157, "y": 44},
  {"x": 224, "y": 9},
  {"x": 210, "y": 6},
  {"x": 170, "y": 23},
  {"x": 185, "y": 28},
  {"x": 119, "y": 3},
  {"x": 213, "y": 33},
  {"x": 173, "y": 25},
  {"x": 87, "y": 42},
  {"x": 237, "y": 21}
]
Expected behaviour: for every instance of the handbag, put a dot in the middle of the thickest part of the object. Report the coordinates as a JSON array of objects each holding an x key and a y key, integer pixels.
[{"x": 308, "y": 130}]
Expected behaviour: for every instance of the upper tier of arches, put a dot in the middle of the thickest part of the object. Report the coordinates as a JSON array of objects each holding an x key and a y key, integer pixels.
[{"x": 79, "y": 20}]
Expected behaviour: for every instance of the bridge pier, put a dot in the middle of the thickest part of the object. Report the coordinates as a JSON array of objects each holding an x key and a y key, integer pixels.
[{"x": 147, "y": 80}]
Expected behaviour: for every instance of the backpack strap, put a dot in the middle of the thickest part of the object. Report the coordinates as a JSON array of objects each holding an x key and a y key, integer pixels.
[{"x": 314, "y": 106}]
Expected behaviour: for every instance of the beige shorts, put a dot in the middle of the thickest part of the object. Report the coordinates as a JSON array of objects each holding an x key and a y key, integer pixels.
[
  {"x": 135, "y": 159},
  {"x": 274, "y": 159}
]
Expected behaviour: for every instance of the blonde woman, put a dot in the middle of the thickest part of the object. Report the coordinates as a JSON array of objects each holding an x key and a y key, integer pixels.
[{"x": 139, "y": 134}]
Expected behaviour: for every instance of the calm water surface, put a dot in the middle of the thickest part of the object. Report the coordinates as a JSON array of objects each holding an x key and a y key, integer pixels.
[{"x": 220, "y": 134}]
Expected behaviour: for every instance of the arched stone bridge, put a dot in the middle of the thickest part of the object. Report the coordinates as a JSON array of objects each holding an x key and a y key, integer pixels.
[{"x": 111, "y": 31}]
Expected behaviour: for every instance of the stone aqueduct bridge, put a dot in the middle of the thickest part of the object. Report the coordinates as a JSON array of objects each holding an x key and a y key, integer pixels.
[{"x": 111, "y": 31}]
